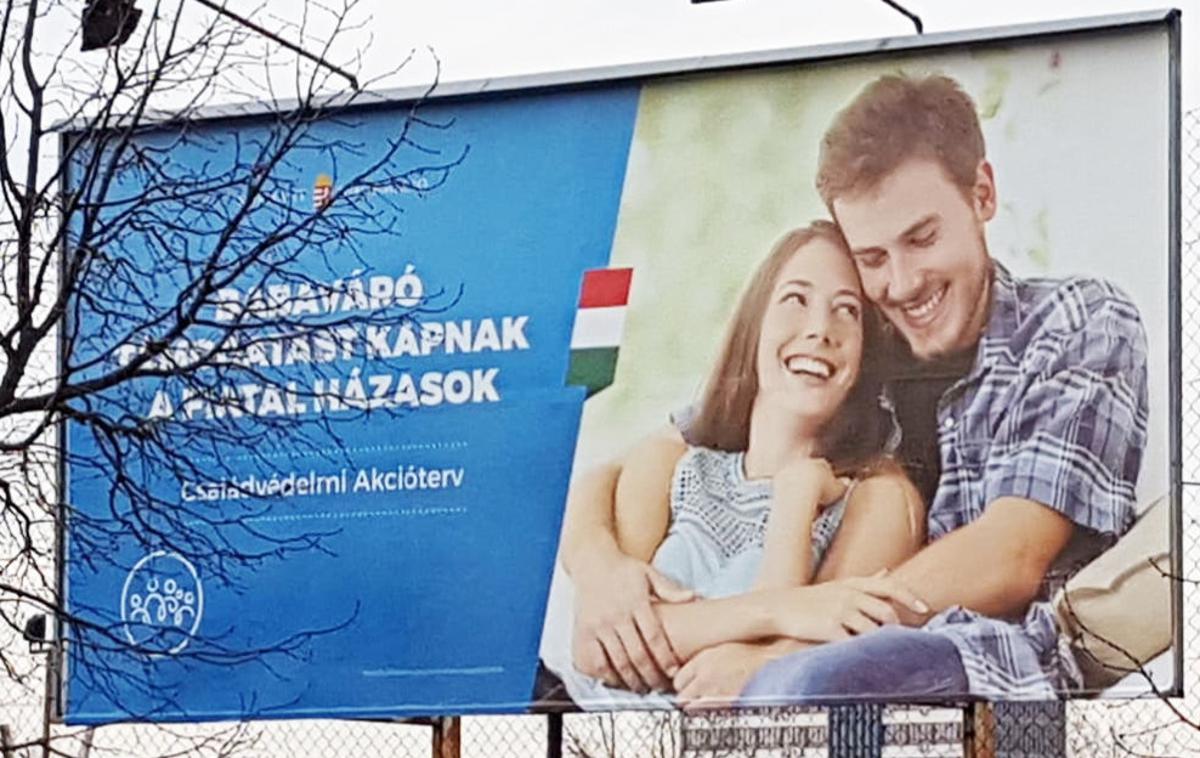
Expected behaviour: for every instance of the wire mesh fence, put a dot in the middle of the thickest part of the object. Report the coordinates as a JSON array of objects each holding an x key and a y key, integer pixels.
[{"x": 1082, "y": 728}]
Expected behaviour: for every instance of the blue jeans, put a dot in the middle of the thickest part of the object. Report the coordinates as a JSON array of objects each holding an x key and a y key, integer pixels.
[{"x": 890, "y": 664}]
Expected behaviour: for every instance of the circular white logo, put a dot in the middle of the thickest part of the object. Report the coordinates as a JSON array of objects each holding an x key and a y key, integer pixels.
[{"x": 161, "y": 603}]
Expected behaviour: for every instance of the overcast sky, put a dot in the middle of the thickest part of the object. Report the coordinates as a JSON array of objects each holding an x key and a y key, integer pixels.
[{"x": 477, "y": 39}]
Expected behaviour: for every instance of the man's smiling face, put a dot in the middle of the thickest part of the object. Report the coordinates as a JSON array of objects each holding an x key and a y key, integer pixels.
[{"x": 917, "y": 240}]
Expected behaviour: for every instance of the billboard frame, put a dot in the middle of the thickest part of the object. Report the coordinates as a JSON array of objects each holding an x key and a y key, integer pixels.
[{"x": 1168, "y": 20}]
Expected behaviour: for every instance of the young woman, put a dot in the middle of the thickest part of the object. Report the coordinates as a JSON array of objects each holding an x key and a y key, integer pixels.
[{"x": 786, "y": 452}]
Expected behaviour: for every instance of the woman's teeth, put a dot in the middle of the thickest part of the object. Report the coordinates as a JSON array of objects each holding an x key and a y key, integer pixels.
[{"x": 802, "y": 364}]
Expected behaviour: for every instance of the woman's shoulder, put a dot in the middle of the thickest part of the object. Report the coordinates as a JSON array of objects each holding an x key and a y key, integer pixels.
[
  {"x": 886, "y": 477},
  {"x": 709, "y": 461},
  {"x": 886, "y": 491}
]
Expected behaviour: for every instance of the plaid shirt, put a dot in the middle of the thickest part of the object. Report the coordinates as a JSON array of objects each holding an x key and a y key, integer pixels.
[{"x": 1053, "y": 410}]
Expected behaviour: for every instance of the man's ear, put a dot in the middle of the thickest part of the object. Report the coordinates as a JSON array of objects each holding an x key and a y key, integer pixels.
[{"x": 984, "y": 192}]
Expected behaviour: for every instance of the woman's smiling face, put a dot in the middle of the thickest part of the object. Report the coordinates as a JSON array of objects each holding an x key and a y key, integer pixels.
[{"x": 811, "y": 341}]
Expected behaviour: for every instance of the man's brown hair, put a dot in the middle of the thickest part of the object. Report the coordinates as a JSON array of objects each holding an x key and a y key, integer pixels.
[
  {"x": 895, "y": 118},
  {"x": 855, "y": 437}
]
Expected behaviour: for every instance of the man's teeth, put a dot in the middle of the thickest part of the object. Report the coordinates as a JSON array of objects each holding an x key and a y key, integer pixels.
[
  {"x": 804, "y": 365},
  {"x": 925, "y": 307}
]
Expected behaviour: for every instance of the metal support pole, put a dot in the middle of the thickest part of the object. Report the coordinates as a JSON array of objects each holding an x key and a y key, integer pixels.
[
  {"x": 554, "y": 735},
  {"x": 48, "y": 701}
]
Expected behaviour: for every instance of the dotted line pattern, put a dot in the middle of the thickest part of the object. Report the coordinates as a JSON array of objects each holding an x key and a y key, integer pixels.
[
  {"x": 333, "y": 451},
  {"x": 343, "y": 515}
]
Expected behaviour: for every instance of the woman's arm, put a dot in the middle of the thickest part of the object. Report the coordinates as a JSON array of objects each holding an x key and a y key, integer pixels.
[
  {"x": 815, "y": 613},
  {"x": 799, "y": 490},
  {"x": 884, "y": 525},
  {"x": 715, "y": 676},
  {"x": 693, "y": 626}
]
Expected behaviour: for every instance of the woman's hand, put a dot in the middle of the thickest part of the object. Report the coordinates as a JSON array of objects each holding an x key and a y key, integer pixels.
[
  {"x": 808, "y": 482},
  {"x": 839, "y": 609},
  {"x": 715, "y": 676},
  {"x": 800, "y": 489}
]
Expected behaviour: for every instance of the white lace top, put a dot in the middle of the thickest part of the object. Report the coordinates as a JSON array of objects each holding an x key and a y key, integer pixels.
[{"x": 714, "y": 544}]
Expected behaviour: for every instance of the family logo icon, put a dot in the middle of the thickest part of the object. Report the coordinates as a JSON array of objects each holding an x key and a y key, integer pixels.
[
  {"x": 162, "y": 601},
  {"x": 322, "y": 191}
]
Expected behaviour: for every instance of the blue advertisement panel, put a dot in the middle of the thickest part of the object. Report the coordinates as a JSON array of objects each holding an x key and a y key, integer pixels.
[
  {"x": 404, "y": 543},
  {"x": 716, "y": 389}
]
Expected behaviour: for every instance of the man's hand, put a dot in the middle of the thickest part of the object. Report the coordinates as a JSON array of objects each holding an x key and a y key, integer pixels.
[
  {"x": 841, "y": 608},
  {"x": 715, "y": 676},
  {"x": 618, "y": 638}
]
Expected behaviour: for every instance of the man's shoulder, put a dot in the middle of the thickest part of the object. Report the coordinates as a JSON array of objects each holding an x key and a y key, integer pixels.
[
  {"x": 1073, "y": 298},
  {"x": 1083, "y": 304}
]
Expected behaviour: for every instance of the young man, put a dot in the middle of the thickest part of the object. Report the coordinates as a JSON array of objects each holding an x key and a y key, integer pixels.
[{"x": 1025, "y": 401}]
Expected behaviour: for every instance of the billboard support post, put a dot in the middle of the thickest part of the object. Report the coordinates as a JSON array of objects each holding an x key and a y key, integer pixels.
[
  {"x": 48, "y": 699},
  {"x": 979, "y": 731},
  {"x": 554, "y": 735},
  {"x": 447, "y": 737}
]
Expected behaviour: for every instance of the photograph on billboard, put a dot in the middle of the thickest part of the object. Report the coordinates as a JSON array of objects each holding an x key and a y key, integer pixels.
[{"x": 789, "y": 380}]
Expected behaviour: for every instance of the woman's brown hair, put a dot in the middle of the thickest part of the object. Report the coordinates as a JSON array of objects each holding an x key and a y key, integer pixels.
[{"x": 854, "y": 439}]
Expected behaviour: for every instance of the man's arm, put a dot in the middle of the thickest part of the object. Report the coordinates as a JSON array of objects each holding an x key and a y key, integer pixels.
[
  {"x": 590, "y": 527},
  {"x": 589, "y": 531},
  {"x": 994, "y": 565},
  {"x": 617, "y": 636},
  {"x": 1065, "y": 452}
]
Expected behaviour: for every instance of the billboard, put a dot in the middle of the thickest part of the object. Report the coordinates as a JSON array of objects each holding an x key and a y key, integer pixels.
[{"x": 825, "y": 359}]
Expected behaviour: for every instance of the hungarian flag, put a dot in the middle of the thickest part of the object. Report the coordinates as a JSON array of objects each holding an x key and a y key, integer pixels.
[{"x": 603, "y": 299}]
